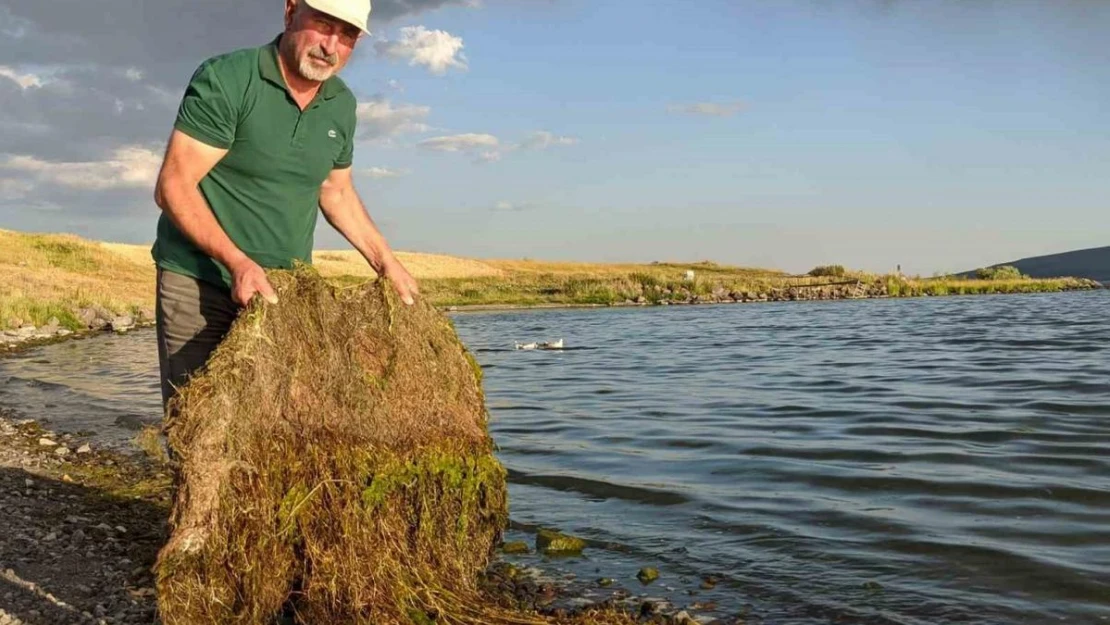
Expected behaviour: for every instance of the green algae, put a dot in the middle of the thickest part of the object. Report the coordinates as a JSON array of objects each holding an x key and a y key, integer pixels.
[
  {"x": 515, "y": 548},
  {"x": 553, "y": 543}
]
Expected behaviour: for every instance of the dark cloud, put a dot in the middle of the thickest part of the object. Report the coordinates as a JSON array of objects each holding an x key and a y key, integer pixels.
[
  {"x": 82, "y": 79},
  {"x": 113, "y": 70},
  {"x": 151, "y": 34},
  {"x": 83, "y": 113},
  {"x": 113, "y": 214}
]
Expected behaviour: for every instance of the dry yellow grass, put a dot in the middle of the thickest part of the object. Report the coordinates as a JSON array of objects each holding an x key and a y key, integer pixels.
[
  {"x": 137, "y": 254},
  {"x": 422, "y": 266},
  {"x": 55, "y": 275},
  {"x": 44, "y": 276},
  {"x": 565, "y": 268},
  {"x": 333, "y": 263}
]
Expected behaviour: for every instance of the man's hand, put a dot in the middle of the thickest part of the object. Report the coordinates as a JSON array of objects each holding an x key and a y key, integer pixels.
[
  {"x": 248, "y": 278},
  {"x": 404, "y": 283},
  {"x": 344, "y": 210}
]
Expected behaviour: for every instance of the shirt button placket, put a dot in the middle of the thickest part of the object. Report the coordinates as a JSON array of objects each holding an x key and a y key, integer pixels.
[{"x": 296, "y": 140}]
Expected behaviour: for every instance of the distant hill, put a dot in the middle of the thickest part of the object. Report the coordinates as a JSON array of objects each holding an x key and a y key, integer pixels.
[{"x": 1091, "y": 263}]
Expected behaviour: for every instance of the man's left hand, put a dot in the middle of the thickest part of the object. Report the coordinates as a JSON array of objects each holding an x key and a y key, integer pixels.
[{"x": 403, "y": 282}]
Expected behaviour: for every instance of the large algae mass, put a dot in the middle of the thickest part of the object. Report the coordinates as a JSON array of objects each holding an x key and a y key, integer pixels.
[
  {"x": 333, "y": 460},
  {"x": 333, "y": 455}
]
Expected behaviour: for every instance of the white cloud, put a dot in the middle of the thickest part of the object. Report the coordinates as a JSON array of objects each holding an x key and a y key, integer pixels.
[
  {"x": 382, "y": 172},
  {"x": 462, "y": 143},
  {"x": 380, "y": 118},
  {"x": 487, "y": 148},
  {"x": 131, "y": 167},
  {"x": 438, "y": 50},
  {"x": 542, "y": 139},
  {"x": 25, "y": 81},
  {"x": 134, "y": 74},
  {"x": 710, "y": 109}
]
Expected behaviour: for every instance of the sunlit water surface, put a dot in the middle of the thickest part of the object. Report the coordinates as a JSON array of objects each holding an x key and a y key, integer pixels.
[{"x": 915, "y": 461}]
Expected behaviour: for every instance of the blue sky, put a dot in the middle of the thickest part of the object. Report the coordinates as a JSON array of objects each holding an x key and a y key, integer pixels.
[{"x": 935, "y": 135}]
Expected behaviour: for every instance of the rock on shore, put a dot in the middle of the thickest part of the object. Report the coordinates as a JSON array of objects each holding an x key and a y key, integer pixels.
[
  {"x": 80, "y": 531},
  {"x": 93, "y": 320}
]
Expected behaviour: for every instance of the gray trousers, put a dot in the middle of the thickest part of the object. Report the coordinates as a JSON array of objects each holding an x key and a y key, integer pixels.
[{"x": 192, "y": 317}]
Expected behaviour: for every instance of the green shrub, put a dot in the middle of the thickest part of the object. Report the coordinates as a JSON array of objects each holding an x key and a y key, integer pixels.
[
  {"x": 1003, "y": 272},
  {"x": 828, "y": 271}
]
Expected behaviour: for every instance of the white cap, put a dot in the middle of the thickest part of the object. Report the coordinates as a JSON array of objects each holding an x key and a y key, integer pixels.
[{"x": 356, "y": 12}]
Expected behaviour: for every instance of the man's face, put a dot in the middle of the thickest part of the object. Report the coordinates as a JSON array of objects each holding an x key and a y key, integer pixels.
[{"x": 320, "y": 43}]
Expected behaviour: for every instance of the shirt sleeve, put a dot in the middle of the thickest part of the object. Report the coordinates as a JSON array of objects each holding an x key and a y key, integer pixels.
[{"x": 207, "y": 112}]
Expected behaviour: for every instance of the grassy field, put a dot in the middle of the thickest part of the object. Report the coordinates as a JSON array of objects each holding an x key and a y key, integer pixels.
[
  {"x": 49, "y": 275},
  {"x": 44, "y": 276}
]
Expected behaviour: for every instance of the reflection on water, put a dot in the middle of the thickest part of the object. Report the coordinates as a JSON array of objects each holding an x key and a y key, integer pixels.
[
  {"x": 918, "y": 461},
  {"x": 108, "y": 384}
]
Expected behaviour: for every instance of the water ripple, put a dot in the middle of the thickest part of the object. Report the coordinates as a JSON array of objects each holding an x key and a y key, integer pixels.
[{"x": 911, "y": 462}]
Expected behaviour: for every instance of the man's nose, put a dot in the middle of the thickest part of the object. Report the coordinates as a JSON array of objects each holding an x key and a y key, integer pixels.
[{"x": 330, "y": 43}]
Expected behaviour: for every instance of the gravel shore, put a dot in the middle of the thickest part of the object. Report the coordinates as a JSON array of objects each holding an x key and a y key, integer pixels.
[
  {"x": 83, "y": 526},
  {"x": 81, "y": 530}
]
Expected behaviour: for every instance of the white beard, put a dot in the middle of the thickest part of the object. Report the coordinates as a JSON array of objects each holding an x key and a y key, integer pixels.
[{"x": 311, "y": 71}]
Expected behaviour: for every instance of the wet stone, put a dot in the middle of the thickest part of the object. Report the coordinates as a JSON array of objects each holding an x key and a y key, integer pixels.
[
  {"x": 550, "y": 542},
  {"x": 515, "y": 547}
]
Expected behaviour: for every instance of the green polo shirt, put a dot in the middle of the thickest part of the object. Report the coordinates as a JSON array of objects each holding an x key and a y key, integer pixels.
[{"x": 265, "y": 192}]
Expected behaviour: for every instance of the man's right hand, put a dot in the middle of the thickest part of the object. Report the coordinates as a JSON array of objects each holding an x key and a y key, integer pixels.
[{"x": 248, "y": 278}]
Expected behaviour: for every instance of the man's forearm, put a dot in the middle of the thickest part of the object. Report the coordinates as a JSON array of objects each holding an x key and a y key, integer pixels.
[
  {"x": 189, "y": 211},
  {"x": 346, "y": 213}
]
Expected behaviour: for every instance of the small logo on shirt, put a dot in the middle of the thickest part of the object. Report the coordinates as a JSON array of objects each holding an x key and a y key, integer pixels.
[{"x": 331, "y": 133}]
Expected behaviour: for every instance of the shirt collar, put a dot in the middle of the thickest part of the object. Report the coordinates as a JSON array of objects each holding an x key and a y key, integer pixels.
[{"x": 268, "y": 68}]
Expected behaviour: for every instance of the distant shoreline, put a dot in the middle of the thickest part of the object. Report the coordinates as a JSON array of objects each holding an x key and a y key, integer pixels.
[
  {"x": 526, "y": 307},
  {"x": 10, "y": 342},
  {"x": 53, "y": 285}
]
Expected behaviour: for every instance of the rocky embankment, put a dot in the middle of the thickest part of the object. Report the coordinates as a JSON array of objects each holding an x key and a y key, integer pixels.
[
  {"x": 92, "y": 320},
  {"x": 854, "y": 289},
  {"x": 721, "y": 295}
]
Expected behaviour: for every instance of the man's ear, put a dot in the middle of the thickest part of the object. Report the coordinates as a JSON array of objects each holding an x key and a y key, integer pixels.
[{"x": 290, "y": 9}]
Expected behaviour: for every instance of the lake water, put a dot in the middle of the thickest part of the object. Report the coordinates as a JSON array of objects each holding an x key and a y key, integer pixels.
[{"x": 898, "y": 461}]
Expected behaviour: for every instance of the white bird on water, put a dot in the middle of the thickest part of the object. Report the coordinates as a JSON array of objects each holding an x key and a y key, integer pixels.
[{"x": 548, "y": 345}]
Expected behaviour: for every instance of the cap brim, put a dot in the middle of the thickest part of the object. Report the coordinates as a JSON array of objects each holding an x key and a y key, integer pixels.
[{"x": 323, "y": 7}]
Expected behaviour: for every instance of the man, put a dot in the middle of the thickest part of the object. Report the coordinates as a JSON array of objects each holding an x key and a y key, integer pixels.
[{"x": 263, "y": 137}]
